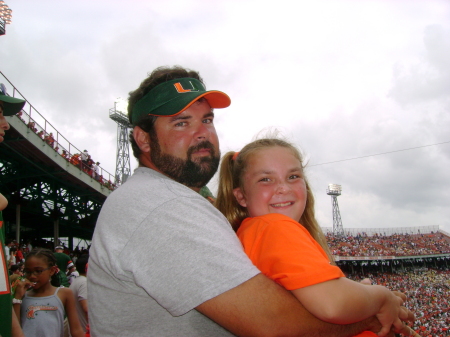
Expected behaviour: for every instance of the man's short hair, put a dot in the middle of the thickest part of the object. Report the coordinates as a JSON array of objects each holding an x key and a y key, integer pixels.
[
  {"x": 158, "y": 76},
  {"x": 80, "y": 263}
]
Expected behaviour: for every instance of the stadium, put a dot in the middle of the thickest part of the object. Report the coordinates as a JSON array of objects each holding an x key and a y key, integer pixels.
[{"x": 412, "y": 260}]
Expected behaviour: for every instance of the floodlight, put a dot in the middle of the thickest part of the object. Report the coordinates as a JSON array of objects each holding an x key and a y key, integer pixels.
[{"x": 335, "y": 190}]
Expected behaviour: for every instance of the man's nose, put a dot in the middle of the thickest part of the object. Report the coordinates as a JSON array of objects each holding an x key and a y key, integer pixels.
[{"x": 202, "y": 132}]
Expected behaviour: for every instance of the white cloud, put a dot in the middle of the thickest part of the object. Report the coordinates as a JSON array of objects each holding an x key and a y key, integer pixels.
[{"x": 343, "y": 79}]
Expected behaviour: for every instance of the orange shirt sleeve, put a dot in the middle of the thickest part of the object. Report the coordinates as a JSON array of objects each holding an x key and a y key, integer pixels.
[{"x": 284, "y": 251}]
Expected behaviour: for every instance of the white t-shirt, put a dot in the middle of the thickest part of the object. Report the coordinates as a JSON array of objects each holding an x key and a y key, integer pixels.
[{"x": 159, "y": 250}]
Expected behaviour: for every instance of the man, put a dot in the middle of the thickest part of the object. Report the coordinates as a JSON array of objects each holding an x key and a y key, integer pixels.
[
  {"x": 79, "y": 288},
  {"x": 84, "y": 159},
  {"x": 95, "y": 170},
  {"x": 163, "y": 260},
  {"x": 8, "y": 106},
  {"x": 62, "y": 261}
]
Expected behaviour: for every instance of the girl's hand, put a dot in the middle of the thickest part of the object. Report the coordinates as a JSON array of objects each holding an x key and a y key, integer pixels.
[
  {"x": 392, "y": 312},
  {"x": 22, "y": 286}
]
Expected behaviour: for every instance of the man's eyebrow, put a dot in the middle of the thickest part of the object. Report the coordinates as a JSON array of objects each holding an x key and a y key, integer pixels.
[
  {"x": 186, "y": 117},
  {"x": 209, "y": 114},
  {"x": 178, "y": 117}
]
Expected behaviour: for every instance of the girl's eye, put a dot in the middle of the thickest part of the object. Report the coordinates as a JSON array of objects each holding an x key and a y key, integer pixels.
[
  {"x": 295, "y": 176},
  {"x": 264, "y": 179}
]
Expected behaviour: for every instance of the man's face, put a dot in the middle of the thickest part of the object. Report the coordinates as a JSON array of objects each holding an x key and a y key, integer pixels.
[
  {"x": 4, "y": 125},
  {"x": 185, "y": 147}
]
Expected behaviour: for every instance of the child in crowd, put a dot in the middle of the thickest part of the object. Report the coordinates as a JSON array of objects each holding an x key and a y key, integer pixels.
[
  {"x": 264, "y": 194},
  {"x": 42, "y": 308}
]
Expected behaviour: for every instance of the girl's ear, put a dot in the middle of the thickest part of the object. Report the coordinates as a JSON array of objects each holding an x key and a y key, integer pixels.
[
  {"x": 240, "y": 197},
  {"x": 53, "y": 270}
]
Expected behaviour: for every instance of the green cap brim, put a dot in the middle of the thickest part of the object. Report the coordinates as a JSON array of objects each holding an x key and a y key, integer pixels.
[
  {"x": 11, "y": 105},
  {"x": 173, "y": 97}
]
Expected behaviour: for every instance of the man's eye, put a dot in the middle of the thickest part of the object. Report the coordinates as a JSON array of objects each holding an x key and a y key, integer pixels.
[
  {"x": 180, "y": 124},
  {"x": 208, "y": 121},
  {"x": 264, "y": 179}
]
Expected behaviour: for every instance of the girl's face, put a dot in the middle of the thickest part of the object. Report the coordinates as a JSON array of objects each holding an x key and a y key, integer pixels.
[
  {"x": 38, "y": 271},
  {"x": 273, "y": 183}
]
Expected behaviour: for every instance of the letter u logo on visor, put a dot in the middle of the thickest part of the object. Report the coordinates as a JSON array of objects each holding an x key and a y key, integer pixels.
[{"x": 181, "y": 90}]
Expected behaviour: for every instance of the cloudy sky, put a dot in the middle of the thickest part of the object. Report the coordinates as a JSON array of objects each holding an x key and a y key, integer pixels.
[{"x": 342, "y": 79}]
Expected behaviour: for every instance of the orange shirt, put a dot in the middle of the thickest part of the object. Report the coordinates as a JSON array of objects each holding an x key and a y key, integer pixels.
[{"x": 285, "y": 251}]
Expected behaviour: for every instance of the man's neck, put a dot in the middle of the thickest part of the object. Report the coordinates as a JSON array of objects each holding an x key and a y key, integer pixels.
[{"x": 153, "y": 167}]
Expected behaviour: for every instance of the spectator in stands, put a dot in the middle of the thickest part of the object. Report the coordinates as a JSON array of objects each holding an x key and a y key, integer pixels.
[
  {"x": 62, "y": 261},
  {"x": 75, "y": 160},
  {"x": 41, "y": 134},
  {"x": 84, "y": 158},
  {"x": 49, "y": 139},
  {"x": 79, "y": 288},
  {"x": 95, "y": 170},
  {"x": 65, "y": 155},
  {"x": 32, "y": 125},
  {"x": 9, "y": 323},
  {"x": 12, "y": 256},
  {"x": 19, "y": 114},
  {"x": 72, "y": 272},
  {"x": 16, "y": 270}
]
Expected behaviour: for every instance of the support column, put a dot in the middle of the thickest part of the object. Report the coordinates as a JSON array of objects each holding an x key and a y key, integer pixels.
[
  {"x": 18, "y": 223},
  {"x": 56, "y": 232}
]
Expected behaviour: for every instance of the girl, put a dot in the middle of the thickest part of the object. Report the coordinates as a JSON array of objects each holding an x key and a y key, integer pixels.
[
  {"x": 264, "y": 194},
  {"x": 42, "y": 308}
]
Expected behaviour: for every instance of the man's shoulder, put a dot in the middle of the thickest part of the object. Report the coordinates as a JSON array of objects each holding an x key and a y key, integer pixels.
[{"x": 154, "y": 184}]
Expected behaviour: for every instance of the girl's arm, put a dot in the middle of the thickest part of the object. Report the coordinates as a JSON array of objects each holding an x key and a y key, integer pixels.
[
  {"x": 66, "y": 296},
  {"x": 21, "y": 289},
  {"x": 343, "y": 301},
  {"x": 16, "y": 330}
]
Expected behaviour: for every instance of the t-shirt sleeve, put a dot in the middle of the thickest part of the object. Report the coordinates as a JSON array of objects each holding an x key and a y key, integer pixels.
[
  {"x": 286, "y": 252},
  {"x": 185, "y": 253},
  {"x": 82, "y": 291}
]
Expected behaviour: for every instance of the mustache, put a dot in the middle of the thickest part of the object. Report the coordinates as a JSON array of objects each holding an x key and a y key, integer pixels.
[{"x": 203, "y": 145}]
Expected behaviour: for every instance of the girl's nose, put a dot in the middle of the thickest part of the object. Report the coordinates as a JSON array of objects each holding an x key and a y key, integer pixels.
[{"x": 282, "y": 188}]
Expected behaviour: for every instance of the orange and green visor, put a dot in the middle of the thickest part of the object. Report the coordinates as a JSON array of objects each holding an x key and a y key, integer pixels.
[{"x": 173, "y": 97}]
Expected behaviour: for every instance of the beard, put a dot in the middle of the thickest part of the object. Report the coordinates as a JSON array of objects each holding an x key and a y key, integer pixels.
[{"x": 187, "y": 172}]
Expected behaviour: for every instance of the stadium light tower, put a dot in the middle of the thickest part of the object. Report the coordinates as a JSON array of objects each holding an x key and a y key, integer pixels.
[
  {"x": 5, "y": 16},
  {"x": 335, "y": 191},
  {"x": 123, "y": 168}
]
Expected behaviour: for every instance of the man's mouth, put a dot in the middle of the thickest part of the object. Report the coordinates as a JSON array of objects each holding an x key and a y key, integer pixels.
[{"x": 203, "y": 151}]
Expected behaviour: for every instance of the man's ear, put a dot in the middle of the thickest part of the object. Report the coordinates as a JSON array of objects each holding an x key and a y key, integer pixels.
[
  {"x": 240, "y": 197},
  {"x": 142, "y": 139}
]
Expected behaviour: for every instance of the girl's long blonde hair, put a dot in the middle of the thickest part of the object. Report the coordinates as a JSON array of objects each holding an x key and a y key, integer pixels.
[{"x": 232, "y": 170}]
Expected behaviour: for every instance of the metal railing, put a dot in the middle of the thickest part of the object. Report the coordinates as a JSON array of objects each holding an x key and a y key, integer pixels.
[{"x": 49, "y": 134}]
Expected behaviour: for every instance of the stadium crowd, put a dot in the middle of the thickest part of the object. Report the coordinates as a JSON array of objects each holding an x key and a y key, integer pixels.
[
  {"x": 427, "y": 292},
  {"x": 426, "y": 282},
  {"x": 392, "y": 245}
]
